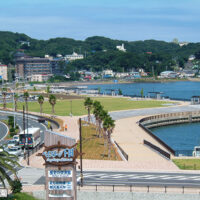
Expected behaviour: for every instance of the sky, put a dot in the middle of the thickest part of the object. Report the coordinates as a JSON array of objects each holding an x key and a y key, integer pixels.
[{"x": 117, "y": 19}]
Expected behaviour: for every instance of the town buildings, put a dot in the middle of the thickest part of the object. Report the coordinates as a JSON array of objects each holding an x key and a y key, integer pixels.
[{"x": 4, "y": 72}]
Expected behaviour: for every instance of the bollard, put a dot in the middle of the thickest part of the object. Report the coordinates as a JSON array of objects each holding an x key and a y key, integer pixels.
[
  {"x": 130, "y": 188},
  {"x": 113, "y": 188},
  {"x": 165, "y": 189},
  {"x": 183, "y": 190},
  {"x": 96, "y": 188},
  {"x": 148, "y": 188}
]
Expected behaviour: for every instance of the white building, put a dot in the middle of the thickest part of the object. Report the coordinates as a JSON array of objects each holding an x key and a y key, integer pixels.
[
  {"x": 108, "y": 72},
  {"x": 4, "y": 72},
  {"x": 74, "y": 56},
  {"x": 40, "y": 77},
  {"x": 121, "y": 48},
  {"x": 191, "y": 58},
  {"x": 168, "y": 74}
]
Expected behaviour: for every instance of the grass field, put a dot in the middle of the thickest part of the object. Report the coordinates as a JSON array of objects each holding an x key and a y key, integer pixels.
[
  {"x": 63, "y": 107},
  {"x": 20, "y": 196},
  {"x": 188, "y": 164},
  {"x": 93, "y": 146}
]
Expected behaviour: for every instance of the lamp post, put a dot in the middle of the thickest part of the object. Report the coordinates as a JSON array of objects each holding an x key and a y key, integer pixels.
[{"x": 71, "y": 108}]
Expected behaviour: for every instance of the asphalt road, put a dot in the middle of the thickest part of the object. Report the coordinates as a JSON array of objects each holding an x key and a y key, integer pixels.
[
  {"x": 152, "y": 111},
  {"x": 3, "y": 130},
  {"x": 19, "y": 121},
  {"x": 142, "y": 179},
  {"x": 120, "y": 178}
]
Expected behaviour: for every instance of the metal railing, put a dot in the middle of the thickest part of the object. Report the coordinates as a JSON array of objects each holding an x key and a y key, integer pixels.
[{"x": 183, "y": 189}]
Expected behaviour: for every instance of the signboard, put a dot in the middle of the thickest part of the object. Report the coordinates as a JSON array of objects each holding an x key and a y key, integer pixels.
[
  {"x": 60, "y": 155},
  {"x": 3, "y": 192},
  {"x": 60, "y": 185},
  {"x": 60, "y": 173}
]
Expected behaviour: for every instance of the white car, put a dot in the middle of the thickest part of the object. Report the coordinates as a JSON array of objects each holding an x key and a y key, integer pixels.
[
  {"x": 16, "y": 138},
  {"x": 12, "y": 143},
  {"x": 17, "y": 151}
]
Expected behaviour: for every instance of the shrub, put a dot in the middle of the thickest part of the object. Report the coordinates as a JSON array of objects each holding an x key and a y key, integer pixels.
[{"x": 16, "y": 186}]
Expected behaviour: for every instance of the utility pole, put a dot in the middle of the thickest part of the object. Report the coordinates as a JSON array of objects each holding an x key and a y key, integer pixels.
[
  {"x": 24, "y": 130},
  {"x": 27, "y": 132},
  {"x": 80, "y": 139}
]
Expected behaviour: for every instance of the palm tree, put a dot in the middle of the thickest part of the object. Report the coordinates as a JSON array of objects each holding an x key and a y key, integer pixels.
[
  {"x": 26, "y": 96},
  {"x": 4, "y": 93},
  {"x": 52, "y": 101},
  {"x": 88, "y": 105},
  {"x": 109, "y": 125},
  {"x": 16, "y": 97},
  {"x": 97, "y": 108},
  {"x": 41, "y": 101},
  {"x": 102, "y": 116},
  {"x": 7, "y": 164}
]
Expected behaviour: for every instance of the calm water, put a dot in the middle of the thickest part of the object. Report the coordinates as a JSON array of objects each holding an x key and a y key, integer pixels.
[
  {"x": 177, "y": 90},
  {"x": 182, "y": 138}
]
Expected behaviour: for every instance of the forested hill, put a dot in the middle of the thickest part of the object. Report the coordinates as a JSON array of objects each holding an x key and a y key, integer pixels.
[{"x": 101, "y": 52}]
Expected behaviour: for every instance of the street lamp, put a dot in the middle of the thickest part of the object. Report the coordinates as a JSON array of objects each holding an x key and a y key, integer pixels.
[{"x": 71, "y": 108}]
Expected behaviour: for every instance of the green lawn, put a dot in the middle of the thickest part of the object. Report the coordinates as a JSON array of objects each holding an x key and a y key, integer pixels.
[
  {"x": 188, "y": 164},
  {"x": 93, "y": 146},
  {"x": 20, "y": 196},
  {"x": 62, "y": 107}
]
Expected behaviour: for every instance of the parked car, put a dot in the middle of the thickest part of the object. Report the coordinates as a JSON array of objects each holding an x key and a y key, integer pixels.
[
  {"x": 16, "y": 150},
  {"x": 16, "y": 138},
  {"x": 12, "y": 143}
]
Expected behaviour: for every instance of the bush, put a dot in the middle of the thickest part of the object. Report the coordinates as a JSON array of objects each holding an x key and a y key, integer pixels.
[
  {"x": 12, "y": 131},
  {"x": 16, "y": 186}
]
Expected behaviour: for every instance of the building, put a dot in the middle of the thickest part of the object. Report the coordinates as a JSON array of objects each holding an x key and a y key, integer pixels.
[
  {"x": 4, "y": 72},
  {"x": 108, "y": 73},
  {"x": 40, "y": 77},
  {"x": 74, "y": 56},
  {"x": 28, "y": 66},
  {"x": 121, "y": 48},
  {"x": 168, "y": 74}
]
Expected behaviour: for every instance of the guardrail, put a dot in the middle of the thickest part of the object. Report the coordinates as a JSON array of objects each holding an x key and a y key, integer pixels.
[
  {"x": 159, "y": 150},
  {"x": 181, "y": 189}
]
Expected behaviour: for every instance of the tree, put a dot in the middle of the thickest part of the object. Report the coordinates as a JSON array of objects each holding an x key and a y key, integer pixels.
[
  {"x": 48, "y": 89},
  {"x": 97, "y": 109},
  {"x": 142, "y": 93},
  {"x": 88, "y": 103},
  {"x": 120, "y": 91},
  {"x": 41, "y": 101},
  {"x": 16, "y": 97},
  {"x": 109, "y": 125},
  {"x": 26, "y": 96},
  {"x": 52, "y": 101},
  {"x": 4, "y": 93},
  {"x": 7, "y": 164}
]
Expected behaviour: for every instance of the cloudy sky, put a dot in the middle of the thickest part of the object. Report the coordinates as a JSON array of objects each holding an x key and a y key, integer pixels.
[{"x": 118, "y": 19}]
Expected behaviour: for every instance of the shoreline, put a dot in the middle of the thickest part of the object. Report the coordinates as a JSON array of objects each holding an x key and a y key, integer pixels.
[{"x": 104, "y": 82}]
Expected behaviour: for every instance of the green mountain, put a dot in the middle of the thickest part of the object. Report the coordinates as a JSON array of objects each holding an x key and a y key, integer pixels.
[{"x": 101, "y": 52}]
